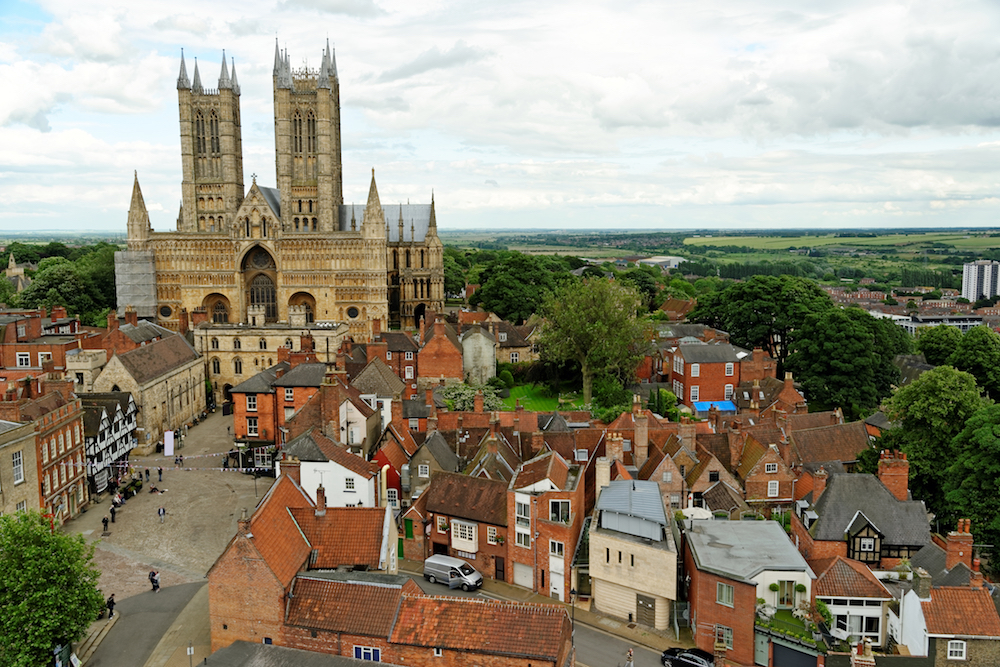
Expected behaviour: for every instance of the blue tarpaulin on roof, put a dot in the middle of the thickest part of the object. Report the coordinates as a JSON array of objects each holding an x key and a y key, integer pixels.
[{"x": 723, "y": 406}]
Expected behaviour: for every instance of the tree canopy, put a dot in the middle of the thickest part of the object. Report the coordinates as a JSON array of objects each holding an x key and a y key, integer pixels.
[
  {"x": 978, "y": 352},
  {"x": 48, "y": 589},
  {"x": 514, "y": 285},
  {"x": 937, "y": 343},
  {"x": 764, "y": 311},
  {"x": 594, "y": 323},
  {"x": 972, "y": 482},
  {"x": 929, "y": 412}
]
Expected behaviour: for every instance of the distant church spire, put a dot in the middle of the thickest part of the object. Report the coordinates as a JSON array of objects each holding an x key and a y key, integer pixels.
[
  {"x": 324, "y": 69},
  {"x": 138, "y": 217},
  {"x": 236, "y": 83},
  {"x": 225, "y": 83},
  {"x": 182, "y": 79},
  {"x": 433, "y": 223},
  {"x": 374, "y": 216},
  {"x": 196, "y": 86}
]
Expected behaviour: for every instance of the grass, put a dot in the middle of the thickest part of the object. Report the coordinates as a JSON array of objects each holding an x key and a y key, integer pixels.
[{"x": 537, "y": 398}]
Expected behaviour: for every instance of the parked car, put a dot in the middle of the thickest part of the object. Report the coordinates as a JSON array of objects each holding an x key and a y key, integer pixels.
[
  {"x": 453, "y": 572},
  {"x": 687, "y": 657}
]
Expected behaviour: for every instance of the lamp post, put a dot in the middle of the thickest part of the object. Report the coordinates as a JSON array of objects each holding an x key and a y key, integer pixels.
[{"x": 572, "y": 635}]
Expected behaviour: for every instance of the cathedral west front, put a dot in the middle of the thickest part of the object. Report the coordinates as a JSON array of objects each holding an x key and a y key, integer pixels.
[{"x": 275, "y": 255}]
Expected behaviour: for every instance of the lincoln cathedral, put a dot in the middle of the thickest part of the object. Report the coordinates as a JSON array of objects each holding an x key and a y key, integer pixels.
[{"x": 256, "y": 256}]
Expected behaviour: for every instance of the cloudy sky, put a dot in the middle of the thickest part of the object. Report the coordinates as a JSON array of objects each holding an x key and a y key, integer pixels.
[{"x": 570, "y": 114}]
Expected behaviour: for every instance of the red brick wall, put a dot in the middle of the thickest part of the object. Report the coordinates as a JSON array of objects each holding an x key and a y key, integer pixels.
[
  {"x": 300, "y": 396},
  {"x": 706, "y": 612},
  {"x": 334, "y": 643},
  {"x": 439, "y": 358},
  {"x": 245, "y": 597},
  {"x": 267, "y": 425},
  {"x": 420, "y": 656},
  {"x": 813, "y": 549},
  {"x": 485, "y": 560},
  {"x": 757, "y": 480},
  {"x": 711, "y": 380}
]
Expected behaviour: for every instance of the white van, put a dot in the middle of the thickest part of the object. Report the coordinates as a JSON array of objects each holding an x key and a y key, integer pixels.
[{"x": 452, "y": 571}]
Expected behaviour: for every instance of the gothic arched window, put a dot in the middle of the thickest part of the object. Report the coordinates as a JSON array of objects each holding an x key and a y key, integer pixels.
[
  {"x": 297, "y": 133},
  {"x": 263, "y": 293},
  {"x": 311, "y": 129},
  {"x": 215, "y": 341},
  {"x": 199, "y": 133},
  {"x": 220, "y": 315},
  {"x": 247, "y": 224},
  {"x": 237, "y": 366},
  {"x": 237, "y": 344},
  {"x": 216, "y": 367},
  {"x": 213, "y": 129}
]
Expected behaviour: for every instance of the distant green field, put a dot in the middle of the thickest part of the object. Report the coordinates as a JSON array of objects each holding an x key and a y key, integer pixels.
[
  {"x": 536, "y": 398},
  {"x": 915, "y": 241}
]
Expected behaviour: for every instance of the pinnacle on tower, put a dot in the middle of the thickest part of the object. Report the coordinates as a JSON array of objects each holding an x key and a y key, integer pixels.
[
  {"x": 277, "y": 59},
  {"x": 432, "y": 224},
  {"x": 324, "y": 70},
  {"x": 333, "y": 61},
  {"x": 224, "y": 81},
  {"x": 236, "y": 83},
  {"x": 138, "y": 216},
  {"x": 196, "y": 85},
  {"x": 182, "y": 79},
  {"x": 11, "y": 264}
]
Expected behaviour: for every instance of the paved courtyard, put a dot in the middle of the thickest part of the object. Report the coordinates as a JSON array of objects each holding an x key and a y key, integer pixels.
[{"x": 202, "y": 500}]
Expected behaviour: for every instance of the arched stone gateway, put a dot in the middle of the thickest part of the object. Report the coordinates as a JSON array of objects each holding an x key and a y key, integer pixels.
[{"x": 259, "y": 275}]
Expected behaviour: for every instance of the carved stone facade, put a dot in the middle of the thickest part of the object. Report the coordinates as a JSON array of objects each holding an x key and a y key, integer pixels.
[{"x": 238, "y": 256}]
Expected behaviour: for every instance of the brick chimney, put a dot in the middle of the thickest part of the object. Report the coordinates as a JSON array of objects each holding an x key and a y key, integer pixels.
[
  {"x": 112, "y": 320},
  {"x": 182, "y": 321},
  {"x": 198, "y": 316},
  {"x": 861, "y": 654},
  {"x": 397, "y": 410},
  {"x": 432, "y": 419},
  {"x": 922, "y": 583},
  {"x": 640, "y": 440},
  {"x": 785, "y": 449},
  {"x": 131, "y": 317},
  {"x": 894, "y": 473},
  {"x": 958, "y": 545},
  {"x": 819, "y": 483},
  {"x": 615, "y": 446},
  {"x": 603, "y": 477},
  {"x": 330, "y": 401},
  {"x": 478, "y": 401},
  {"x": 423, "y": 328},
  {"x": 306, "y": 343},
  {"x": 376, "y": 350},
  {"x": 320, "y": 501},
  {"x": 686, "y": 432},
  {"x": 291, "y": 467},
  {"x": 976, "y": 582},
  {"x": 284, "y": 353}
]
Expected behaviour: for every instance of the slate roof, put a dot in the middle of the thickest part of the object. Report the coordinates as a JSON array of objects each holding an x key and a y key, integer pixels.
[
  {"x": 343, "y": 535},
  {"x": 94, "y": 406},
  {"x": 808, "y": 420},
  {"x": 302, "y": 375},
  {"x": 932, "y": 558},
  {"x": 144, "y": 331},
  {"x": 357, "y": 608},
  {"x": 482, "y": 626},
  {"x": 701, "y": 353},
  {"x": 446, "y": 329},
  {"x": 473, "y": 498},
  {"x": 722, "y": 497},
  {"x": 397, "y": 341},
  {"x": 314, "y": 446},
  {"x": 842, "y": 442},
  {"x": 377, "y": 378},
  {"x": 961, "y": 611},
  {"x": 637, "y": 498},
  {"x": 419, "y": 215},
  {"x": 841, "y": 577},
  {"x": 439, "y": 449},
  {"x": 765, "y": 394},
  {"x": 262, "y": 382},
  {"x": 901, "y": 522},
  {"x": 512, "y": 337},
  {"x": 273, "y": 198},
  {"x": 159, "y": 358}
]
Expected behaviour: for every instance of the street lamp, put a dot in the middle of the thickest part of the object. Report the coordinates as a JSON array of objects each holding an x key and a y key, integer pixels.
[{"x": 572, "y": 636}]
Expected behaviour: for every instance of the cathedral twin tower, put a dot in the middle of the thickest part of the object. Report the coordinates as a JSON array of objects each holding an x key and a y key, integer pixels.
[{"x": 255, "y": 255}]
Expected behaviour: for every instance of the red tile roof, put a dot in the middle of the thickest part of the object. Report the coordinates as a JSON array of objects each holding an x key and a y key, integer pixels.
[
  {"x": 840, "y": 577},
  {"x": 275, "y": 534},
  {"x": 961, "y": 611},
  {"x": 343, "y": 535},
  {"x": 482, "y": 626},
  {"x": 357, "y": 608},
  {"x": 550, "y": 466},
  {"x": 842, "y": 442},
  {"x": 342, "y": 457}
]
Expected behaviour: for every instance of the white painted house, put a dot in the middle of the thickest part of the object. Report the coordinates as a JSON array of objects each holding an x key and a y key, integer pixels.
[
  {"x": 348, "y": 480},
  {"x": 109, "y": 425}
]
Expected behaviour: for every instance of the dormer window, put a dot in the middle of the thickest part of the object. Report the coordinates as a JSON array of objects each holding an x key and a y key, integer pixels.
[{"x": 503, "y": 336}]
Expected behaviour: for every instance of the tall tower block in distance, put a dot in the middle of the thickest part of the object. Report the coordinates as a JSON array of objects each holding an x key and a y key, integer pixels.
[{"x": 307, "y": 143}]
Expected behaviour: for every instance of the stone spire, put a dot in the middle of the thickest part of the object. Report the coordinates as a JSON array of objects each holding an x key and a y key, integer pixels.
[
  {"x": 354, "y": 222},
  {"x": 333, "y": 61},
  {"x": 413, "y": 232},
  {"x": 400, "y": 223},
  {"x": 324, "y": 69},
  {"x": 277, "y": 59},
  {"x": 236, "y": 83},
  {"x": 196, "y": 86},
  {"x": 432, "y": 225},
  {"x": 138, "y": 216},
  {"x": 225, "y": 83},
  {"x": 182, "y": 79},
  {"x": 374, "y": 216}
]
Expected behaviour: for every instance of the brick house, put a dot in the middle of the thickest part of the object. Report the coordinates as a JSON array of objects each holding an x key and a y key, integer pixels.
[
  {"x": 768, "y": 480},
  {"x": 512, "y": 347},
  {"x": 32, "y": 342},
  {"x": 460, "y": 516},
  {"x": 349, "y": 480},
  {"x": 731, "y": 564},
  {"x": 546, "y": 498},
  {"x": 633, "y": 559},
  {"x": 400, "y": 353},
  {"x": 57, "y": 416},
  {"x": 862, "y": 517},
  {"x": 440, "y": 356},
  {"x": 433, "y": 455},
  {"x": 699, "y": 372},
  {"x": 396, "y": 448},
  {"x": 858, "y": 601}
]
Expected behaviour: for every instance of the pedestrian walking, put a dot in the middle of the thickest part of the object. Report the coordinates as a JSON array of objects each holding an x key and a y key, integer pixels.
[
  {"x": 111, "y": 605},
  {"x": 147, "y": 474},
  {"x": 152, "y": 578},
  {"x": 113, "y": 512},
  {"x": 156, "y": 582},
  {"x": 159, "y": 471},
  {"x": 105, "y": 522},
  {"x": 181, "y": 460},
  {"x": 162, "y": 512},
  {"x": 628, "y": 659}
]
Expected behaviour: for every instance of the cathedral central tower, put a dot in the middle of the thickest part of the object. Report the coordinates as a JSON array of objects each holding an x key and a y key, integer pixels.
[{"x": 307, "y": 143}]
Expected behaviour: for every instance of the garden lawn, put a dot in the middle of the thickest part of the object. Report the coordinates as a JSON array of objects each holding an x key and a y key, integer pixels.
[{"x": 536, "y": 398}]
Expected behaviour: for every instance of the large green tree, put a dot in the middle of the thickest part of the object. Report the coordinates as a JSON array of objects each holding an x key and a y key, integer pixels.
[
  {"x": 843, "y": 358},
  {"x": 979, "y": 353},
  {"x": 972, "y": 482},
  {"x": 595, "y": 324},
  {"x": 928, "y": 414},
  {"x": 60, "y": 282},
  {"x": 48, "y": 589},
  {"x": 763, "y": 311},
  {"x": 515, "y": 285},
  {"x": 937, "y": 343}
]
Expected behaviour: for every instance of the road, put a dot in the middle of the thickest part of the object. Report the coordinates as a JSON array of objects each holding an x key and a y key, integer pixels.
[{"x": 594, "y": 648}]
